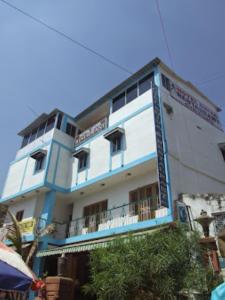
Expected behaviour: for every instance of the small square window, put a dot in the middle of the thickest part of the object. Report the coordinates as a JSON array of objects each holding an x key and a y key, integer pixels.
[
  {"x": 116, "y": 143},
  {"x": 145, "y": 84},
  {"x": 39, "y": 164},
  {"x": 83, "y": 160},
  {"x": 19, "y": 215}
]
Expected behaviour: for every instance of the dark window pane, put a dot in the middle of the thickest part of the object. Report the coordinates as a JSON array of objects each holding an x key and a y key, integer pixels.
[
  {"x": 223, "y": 153},
  {"x": 83, "y": 161},
  {"x": 59, "y": 122},
  {"x": 50, "y": 124},
  {"x": 25, "y": 140},
  {"x": 166, "y": 82},
  {"x": 116, "y": 144},
  {"x": 145, "y": 84},
  {"x": 39, "y": 163},
  {"x": 33, "y": 135},
  {"x": 118, "y": 102},
  {"x": 131, "y": 93},
  {"x": 70, "y": 129},
  {"x": 19, "y": 215},
  {"x": 41, "y": 130}
]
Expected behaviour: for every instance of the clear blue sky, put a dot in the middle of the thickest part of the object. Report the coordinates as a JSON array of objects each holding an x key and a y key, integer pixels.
[{"x": 40, "y": 69}]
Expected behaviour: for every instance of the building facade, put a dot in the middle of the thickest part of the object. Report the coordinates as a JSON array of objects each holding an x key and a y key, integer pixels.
[{"x": 118, "y": 166}]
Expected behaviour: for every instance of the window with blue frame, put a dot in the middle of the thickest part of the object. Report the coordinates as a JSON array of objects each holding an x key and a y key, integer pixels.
[
  {"x": 116, "y": 144},
  {"x": 39, "y": 164},
  {"x": 83, "y": 161},
  {"x": 115, "y": 137}
]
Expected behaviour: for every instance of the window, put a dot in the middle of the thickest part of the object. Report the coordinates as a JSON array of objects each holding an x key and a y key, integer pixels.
[
  {"x": 33, "y": 135},
  {"x": 166, "y": 82},
  {"x": 118, "y": 102},
  {"x": 19, "y": 215},
  {"x": 223, "y": 152},
  {"x": 25, "y": 140},
  {"x": 131, "y": 93},
  {"x": 59, "y": 121},
  {"x": 39, "y": 164},
  {"x": 219, "y": 222},
  {"x": 83, "y": 159},
  {"x": 50, "y": 124},
  {"x": 116, "y": 143},
  {"x": 95, "y": 214},
  {"x": 41, "y": 130},
  {"x": 145, "y": 84},
  {"x": 70, "y": 129},
  {"x": 144, "y": 201}
]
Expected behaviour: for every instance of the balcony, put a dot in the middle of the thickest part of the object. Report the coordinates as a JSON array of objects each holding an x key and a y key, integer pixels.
[
  {"x": 123, "y": 215},
  {"x": 91, "y": 131}
]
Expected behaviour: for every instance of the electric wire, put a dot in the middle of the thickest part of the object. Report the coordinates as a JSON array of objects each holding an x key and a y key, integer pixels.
[
  {"x": 64, "y": 35},
  {"x": 164, "y": 33}
]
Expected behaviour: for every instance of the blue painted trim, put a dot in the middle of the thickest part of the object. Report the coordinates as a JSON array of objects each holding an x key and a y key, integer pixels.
[
  {"x": 103, "y": 176},
  {"x": 48, "y": 161},
  {"x": 56, "y": 164},
  {"x": 122, "y": 146},
  {"x": 115, "y": 171},
  {"x": 33, "y": 150},
  {"x": 134, "y": 114},
  {"x": 169, "y": 188},
  {"x": 113, "y": 231},
  {"x": 48, "y": 207},
  {"x": 34, "y": 187},
  {"x": 25, "y": 239},
  {"x": 24, "y": 174}
]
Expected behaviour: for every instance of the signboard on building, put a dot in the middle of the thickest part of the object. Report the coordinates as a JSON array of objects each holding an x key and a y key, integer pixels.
[
  {"x": 194, "y": 105},
  {"x": 91, "y": 131},
  {"x": 163, "y": 193},
  {"x": 3, "y": 212},
  {"x": 27, "y": 226}
]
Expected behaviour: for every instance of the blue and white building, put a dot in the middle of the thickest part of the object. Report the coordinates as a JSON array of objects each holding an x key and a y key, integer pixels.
[{"x": 118, "y": 166}]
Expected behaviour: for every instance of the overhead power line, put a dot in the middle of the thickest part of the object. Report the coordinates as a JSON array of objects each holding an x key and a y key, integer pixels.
[
  {"x": 164, "y": 33},
  {"x": 210, "y": 79},
  {"x": 62, "y": 34}
]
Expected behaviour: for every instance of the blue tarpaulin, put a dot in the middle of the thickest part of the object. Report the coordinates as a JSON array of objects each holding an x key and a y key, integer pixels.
[{"x": 218, "y": 293}]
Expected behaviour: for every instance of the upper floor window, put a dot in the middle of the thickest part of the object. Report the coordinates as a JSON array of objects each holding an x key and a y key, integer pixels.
[
  {"x": 132, "y": 92},
  {"x": 118, "y": 102},
  {"x": 25, "y": 140},
  {"x": 222, "y": 150},
  {"x": 41, "y": 130},
  {"x": 115, "y": 137},
  {"x": 116, "y": 144},
  {"x": 59, "y": 121},
  {"x": 70, "y": 130},
  {"x": 19, "y": 215},
  {"x": 83, "y": 159},
  {"x": 50, "y": 124},
  {"x": 82, "y": 155},
  {"x": 39, "y": 165},
  {"x": 165, "y": 82},
  {"x": 39, "y": 157},
  {"x": 145, "y": 84}
]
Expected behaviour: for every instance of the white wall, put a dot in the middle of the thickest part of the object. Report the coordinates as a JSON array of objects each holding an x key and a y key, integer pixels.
[
  {"x": 116, "y": 194},
  {"x": 195, "y": 162}
]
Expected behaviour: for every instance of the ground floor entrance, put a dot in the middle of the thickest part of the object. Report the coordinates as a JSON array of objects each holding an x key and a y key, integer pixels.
[{"x": 78, "y": 269}]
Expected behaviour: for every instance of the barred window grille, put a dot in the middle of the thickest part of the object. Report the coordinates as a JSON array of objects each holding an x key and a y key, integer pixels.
[{"x": 219, "y": 222}]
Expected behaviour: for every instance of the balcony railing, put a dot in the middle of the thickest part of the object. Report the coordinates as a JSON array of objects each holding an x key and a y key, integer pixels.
[
  {"x": 118, "y": 216},
  {"x": 88, "y": 133}
]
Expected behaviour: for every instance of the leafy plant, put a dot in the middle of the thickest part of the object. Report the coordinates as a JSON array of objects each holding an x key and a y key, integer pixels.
[{"x": 152, "y": 266}]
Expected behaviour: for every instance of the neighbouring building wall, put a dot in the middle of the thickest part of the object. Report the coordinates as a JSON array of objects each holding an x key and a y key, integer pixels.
[{"x": 195, "y": 162}]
